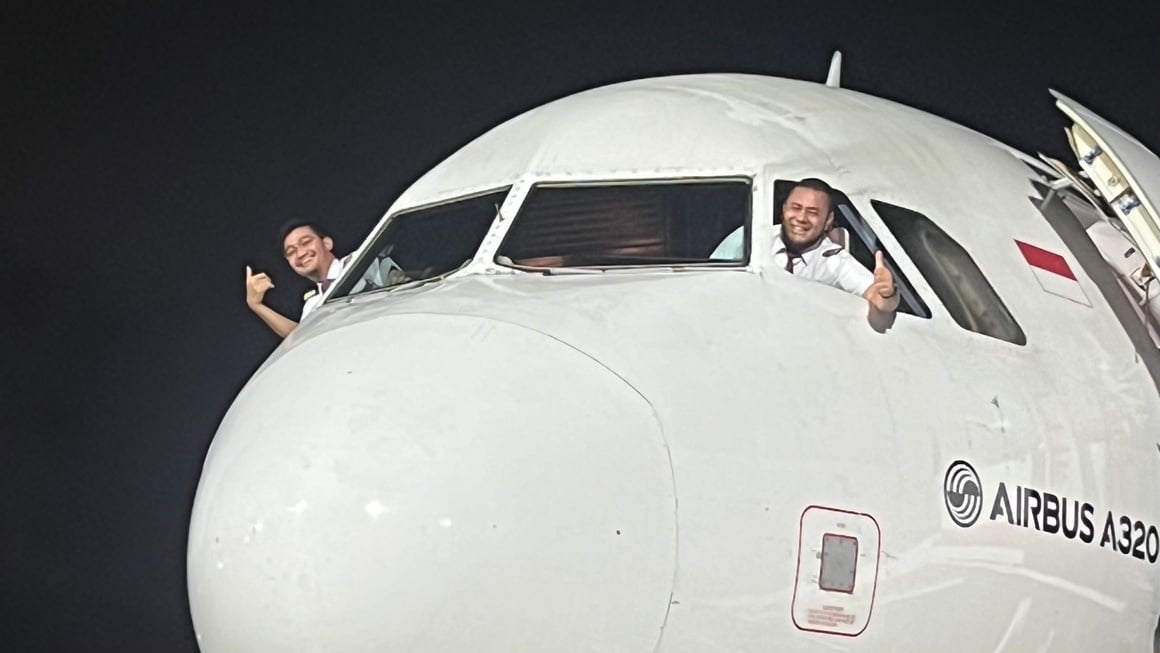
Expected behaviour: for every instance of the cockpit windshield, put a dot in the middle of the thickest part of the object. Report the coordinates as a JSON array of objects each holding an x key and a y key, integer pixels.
[
  {"x": 424, "y": 244},
  {"x": 621, "y": 224}
]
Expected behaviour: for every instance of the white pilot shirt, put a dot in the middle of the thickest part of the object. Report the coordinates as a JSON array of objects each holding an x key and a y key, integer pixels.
[
  {"x": 313, "y": 298},
  {"x": 826, "y": 262}
]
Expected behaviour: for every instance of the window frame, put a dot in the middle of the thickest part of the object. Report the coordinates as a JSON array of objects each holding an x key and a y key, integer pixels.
[
  {"x": 373, "y": 245},
  {"x": 1019, "y": 341},
  {"x": 748, "y": 180}
]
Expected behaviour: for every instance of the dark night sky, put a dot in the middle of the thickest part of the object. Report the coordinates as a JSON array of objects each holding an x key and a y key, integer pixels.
[{"x": 149, "y": 154}]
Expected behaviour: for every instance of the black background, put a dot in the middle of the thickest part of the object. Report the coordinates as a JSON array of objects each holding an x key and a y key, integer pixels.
[{"x": 149, "y": 154}]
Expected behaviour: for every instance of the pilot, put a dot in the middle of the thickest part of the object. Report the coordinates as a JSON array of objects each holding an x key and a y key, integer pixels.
[
  {"x": 803, "y": 249},
  {"x": 309, "y": 251}
]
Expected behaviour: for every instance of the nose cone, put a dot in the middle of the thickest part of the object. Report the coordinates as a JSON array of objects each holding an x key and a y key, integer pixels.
[{"x": 433, "y": 483}]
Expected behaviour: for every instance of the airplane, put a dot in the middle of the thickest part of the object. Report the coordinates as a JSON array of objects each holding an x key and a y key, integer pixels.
[{"x": 553, "y": 421}]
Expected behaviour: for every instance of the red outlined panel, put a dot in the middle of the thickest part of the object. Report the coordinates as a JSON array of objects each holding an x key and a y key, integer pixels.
[{"x": 837, "y": 571}]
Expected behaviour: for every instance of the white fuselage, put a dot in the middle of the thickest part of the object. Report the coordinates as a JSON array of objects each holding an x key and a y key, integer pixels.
[{"x": 511, "y": 461}]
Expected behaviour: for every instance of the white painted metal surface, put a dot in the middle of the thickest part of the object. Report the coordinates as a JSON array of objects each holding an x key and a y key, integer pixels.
[{"x": 505, "y": 461}]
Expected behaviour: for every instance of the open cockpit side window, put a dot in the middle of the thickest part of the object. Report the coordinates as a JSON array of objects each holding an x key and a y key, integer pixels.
[
  {"x": 622, "y": 224},
  {"x": 852, "y": 232},
  {"x": 952, "y": 274},
  {"x": 423, "y": 244}
]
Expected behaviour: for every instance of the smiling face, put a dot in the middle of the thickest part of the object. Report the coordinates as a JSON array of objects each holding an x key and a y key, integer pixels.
[
  {"x": 308, "y": 254},
  {"x": 805, "y": 217}
]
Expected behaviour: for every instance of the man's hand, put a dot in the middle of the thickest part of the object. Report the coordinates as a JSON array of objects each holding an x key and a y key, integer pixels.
[
  {"x": 882, "y": 294},
  {"x": 256, "y": 287}
]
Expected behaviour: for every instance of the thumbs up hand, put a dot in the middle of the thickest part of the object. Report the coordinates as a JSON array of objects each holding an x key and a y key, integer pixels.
[
  {"x": 882, "y": 294},
  {"x": 256, "y": 287}
]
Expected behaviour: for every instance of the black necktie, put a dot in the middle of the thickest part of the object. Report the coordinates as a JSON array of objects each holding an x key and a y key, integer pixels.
[{"x": 789, "y": 257}]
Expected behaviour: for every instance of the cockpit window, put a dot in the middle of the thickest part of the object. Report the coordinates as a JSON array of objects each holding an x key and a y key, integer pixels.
[
  {"x": 424, "y": 244},
  {"x": 951, "y": 273},
  {"x": 629, "y": 224}
]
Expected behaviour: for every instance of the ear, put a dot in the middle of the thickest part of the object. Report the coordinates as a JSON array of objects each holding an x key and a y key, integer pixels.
[
  {"x": 328, "y": 243},
  {"x": 829, "y": 223}
]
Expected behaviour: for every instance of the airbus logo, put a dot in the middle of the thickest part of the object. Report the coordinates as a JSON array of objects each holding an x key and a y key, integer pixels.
[{"x": 963, "y": 493}]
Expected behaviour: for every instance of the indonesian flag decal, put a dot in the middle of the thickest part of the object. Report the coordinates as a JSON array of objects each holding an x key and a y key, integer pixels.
[{"x": 1053, "y": 273}]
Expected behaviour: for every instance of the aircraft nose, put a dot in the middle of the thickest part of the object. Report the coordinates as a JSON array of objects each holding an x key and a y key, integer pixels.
[{"x": 436, "y": 483}]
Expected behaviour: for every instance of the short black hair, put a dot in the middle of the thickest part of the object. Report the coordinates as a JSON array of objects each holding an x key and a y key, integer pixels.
[
  {"x": 813, "y": 183},
  {"x": 292, "y": 224}
]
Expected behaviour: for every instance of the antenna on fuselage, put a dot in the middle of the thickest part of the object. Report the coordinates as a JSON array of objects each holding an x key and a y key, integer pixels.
[{"x": 834, "y": 78}]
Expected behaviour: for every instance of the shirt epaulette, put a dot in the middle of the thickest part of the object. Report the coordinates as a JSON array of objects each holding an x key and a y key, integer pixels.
[
  {"x": 309, "y": 294},
  {"x": 831, "y": 252}
]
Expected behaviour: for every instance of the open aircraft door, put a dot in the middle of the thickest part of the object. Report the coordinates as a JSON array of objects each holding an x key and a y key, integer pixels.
[{"x": 1126, "y": 173}]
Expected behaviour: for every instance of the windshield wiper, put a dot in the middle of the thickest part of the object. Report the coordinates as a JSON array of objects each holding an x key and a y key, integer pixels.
[
  {"x": 645, "y": 259},
  {"x": 507, "y": 262}
]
